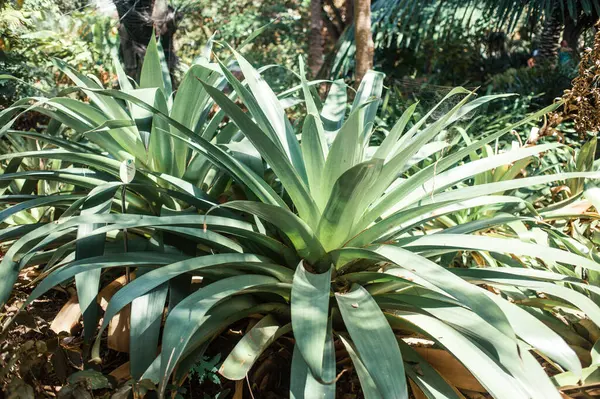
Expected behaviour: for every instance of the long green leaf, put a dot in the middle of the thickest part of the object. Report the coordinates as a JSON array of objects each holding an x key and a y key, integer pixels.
[
  {"x": 375, "y": 342},
  {"x": 310, "y": 308}
]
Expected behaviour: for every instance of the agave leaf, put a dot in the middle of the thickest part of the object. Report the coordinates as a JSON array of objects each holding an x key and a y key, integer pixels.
[
  {"x": 254, "y": 108},
  {"x": 313, "y": 153},
  {"x": 155, "y": 71},
  {"x": 301, "y": 236},
  {"x": 88, "y": 282},
  {"x": 310, "y": 308},
  {"x": 190, "y": 106},
  {"x": 303, "y": 384},
  {"x": 41, "y": 201},
  {"x": 145, "y": 322},
  {"x": 78, "y": 177},
  {"x": 289, "y": 177},
  {"x": 366, "y": 381},
  {"x": 450, "y": 242},
  {"x": 247, "y": 351},
  {"x": 387, "y": 145},
  {"x": 499, "y": 347},
  {"x": 370, "y": 88},
  {"x": 343, "y": 206},
  {"x": 405, "y": 219},
  {"x": 128, "y": 138},
  {"x": 378, "y": 209},
  {"x": 275, "y": 114},
  {"x": 375, "y": 341},
  {"x": 424, "y": 375},
  {"x": 456, "y": 287},
  {"x": 190, "y": 314},
  {"x": 494, "y": 378},
  {"x": 334, "y": 108},
  {"x": 344, "y": 153}
]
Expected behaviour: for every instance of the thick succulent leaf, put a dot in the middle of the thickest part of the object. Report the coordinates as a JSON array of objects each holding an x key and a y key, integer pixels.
[
  {"x": 275, "y": 113},
  {"x": 247, "y": 351},
  {"x": 420, "y": 186},
  {"x": 453, "y": 242},
  {"x": 253, "y": 106},
  {"x": 313, "y": 153},
  {"x": 502, "y": 186},
  {"x": 344, "y": 153},
  {"x": 161, "y": 148},
  {"x": 314, "y": 144},
  {"x": 334, "y": 108},
  {"x": 343, "y": 206},
  {"x": 66, "y": 271},
  {"x": 119, "y": 222},
  {"x": 537, "y": 334},
  {"x": 452, "y": 176},
  {"x": 494, "y": 378},
  {"x": 219, "y": 317},
  {"x": 41, "y": 201},
  {"x": 424, "y": 375},
  {"x": 145, "y": 322},
  {"x": 155, "y": 71},
  {"x": 214, "y": 153},
  {"x": 303, "y": 385},
  {"x": 389, "y": 201},
  {"x": 129, "y": 138},
  {"x": 289, "y": 177},
  {"x": 387, "y": 145},
  {"x": 443, "y": 279},
  {"x": 499, "y": 347},
  {"x": 77, "y": 177},
  {"x": 190, "y": 106},
  {"x": 367, "y": 384},
  {"x": 301, "y": 236},
  {"x": 375, "y": 341},
  {"x": 154, "y": 278},
  {"x": 407, "y": 218},
  {"x": 310, "y": 308},
  {"x": 88, "y": 282},
  {"x": 189, "y": 315},
  {"x": 538, "y": 382},
  {"x": 369, "y": 94}
]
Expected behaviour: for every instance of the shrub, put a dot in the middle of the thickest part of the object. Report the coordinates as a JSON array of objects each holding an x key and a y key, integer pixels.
[{"x": 325, "y": 236}]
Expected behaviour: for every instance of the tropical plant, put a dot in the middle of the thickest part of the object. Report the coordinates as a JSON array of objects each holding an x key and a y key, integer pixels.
[
  {"x": 327, "y": 237},
  {"x": 405, "y": 24}
]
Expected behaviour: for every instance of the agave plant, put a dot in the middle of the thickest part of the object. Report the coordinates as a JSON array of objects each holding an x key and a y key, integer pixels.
[{"x": 331, "y": 241}]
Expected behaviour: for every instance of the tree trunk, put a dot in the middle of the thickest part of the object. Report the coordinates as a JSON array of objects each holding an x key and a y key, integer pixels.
[
  {"x": 365, "y": 48},
  {"x": 550, "y": 37},
  {"x": 574, "y": 29},
  {"x": 315, "y": 40},
  {"x": 138, "y": 19},
  {"x": 348, "y": 11}
]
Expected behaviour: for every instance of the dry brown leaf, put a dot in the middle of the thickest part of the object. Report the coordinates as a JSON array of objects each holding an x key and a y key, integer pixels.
[
  {"x": 450, "y": 368},
  {"x": 68, "y": 316}
]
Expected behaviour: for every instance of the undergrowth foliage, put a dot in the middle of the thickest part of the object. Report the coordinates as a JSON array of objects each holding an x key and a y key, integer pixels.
[{"x": 391, "y": 253}]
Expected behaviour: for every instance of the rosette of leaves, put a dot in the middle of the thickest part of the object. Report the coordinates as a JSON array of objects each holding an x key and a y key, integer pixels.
[{"x": 329, "y": 242}]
